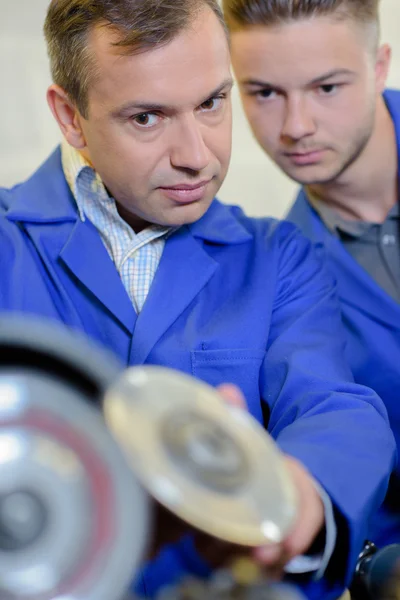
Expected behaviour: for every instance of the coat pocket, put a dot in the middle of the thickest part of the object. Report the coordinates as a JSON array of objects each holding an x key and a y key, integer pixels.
[{"x": 239, "y": 366}]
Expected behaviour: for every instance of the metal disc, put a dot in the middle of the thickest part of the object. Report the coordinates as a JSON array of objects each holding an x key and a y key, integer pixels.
[
  {"x": 73, "y": 520},
  {"x": 209, "y": 463}
]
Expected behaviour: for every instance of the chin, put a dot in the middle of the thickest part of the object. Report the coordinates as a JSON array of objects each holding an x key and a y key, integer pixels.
[
  {"x": 311, "y": 175},
  {"x": 189, "y": 213},
  {"x": 197, "y": 212}
]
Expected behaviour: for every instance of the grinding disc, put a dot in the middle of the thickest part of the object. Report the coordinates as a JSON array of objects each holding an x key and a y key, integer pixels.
[
  {"x": 209, "y": 463},
  {"x": 73, "y": 520}
]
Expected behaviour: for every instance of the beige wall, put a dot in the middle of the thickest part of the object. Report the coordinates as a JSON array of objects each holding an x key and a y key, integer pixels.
[{"x": 28, "y": 134}]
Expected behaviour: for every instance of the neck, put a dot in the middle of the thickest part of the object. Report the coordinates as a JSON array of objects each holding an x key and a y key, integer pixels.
[
  {"x": 368, "y": 189},
  {"x": 135, "y": 222}
]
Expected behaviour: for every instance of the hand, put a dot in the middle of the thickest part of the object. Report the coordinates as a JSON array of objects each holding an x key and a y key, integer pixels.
[
  {"x": 311, "y": 514},
  {"x": 273, "y": 557},
  {"x": 310, "y": 521}
]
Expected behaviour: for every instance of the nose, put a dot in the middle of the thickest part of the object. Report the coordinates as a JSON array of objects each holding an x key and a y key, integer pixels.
[
  {"x": 298, "y": 121},
  {"x": 189, "y": 150}
]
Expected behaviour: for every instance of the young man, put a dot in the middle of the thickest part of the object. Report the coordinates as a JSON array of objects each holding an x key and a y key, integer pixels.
[
  {"x": 118, "y": 234},
  {"x": 312, "y": 78}
]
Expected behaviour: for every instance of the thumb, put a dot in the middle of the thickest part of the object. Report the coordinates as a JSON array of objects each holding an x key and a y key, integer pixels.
[{"x": 232, "y": 395}]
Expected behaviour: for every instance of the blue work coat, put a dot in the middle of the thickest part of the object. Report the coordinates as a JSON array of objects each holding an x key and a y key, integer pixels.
[
  {"x": 234, "y": 300},
  {"x": 372, "y": 322}
]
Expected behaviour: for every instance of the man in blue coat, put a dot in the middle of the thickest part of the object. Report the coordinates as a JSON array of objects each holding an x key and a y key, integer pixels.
[
  {"x": 118, "y": 234},
  {"x": 312, "y": 81}
]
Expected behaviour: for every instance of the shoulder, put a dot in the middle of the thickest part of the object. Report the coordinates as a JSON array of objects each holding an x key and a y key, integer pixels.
[
  {"x": 293, "y": 252},
  {"x": 264, "y": 229},
  {"x": 282, "y": 236},
  {"x": 6, "y": 197}
]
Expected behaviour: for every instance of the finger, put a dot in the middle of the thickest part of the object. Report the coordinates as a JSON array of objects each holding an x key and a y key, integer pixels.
[
  {"x": 232, "y": 395},
  {"x": 268, "y": 555},
  {"x": 310, "y": 514}
]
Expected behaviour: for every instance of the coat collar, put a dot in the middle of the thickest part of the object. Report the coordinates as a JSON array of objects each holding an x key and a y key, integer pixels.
[
  {"x": 392, "y": 99},
  {"x": 355, "y": 286},
  {"x": 47, "y": 198}
]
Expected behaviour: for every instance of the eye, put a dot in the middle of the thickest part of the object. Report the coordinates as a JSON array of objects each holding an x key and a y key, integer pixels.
[
  {"x": 266, "y": 93},
  {"x": 263, "y": 93},
  {"x": 213, "y": 104},
  {"x": 329, "y": 89},
  {"x": 146, "y": 120}
]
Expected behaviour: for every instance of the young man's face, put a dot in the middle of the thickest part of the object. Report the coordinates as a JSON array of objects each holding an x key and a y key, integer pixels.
[
  {"x": 309, "y": 90},
  {"x": 159, "y": 123}
]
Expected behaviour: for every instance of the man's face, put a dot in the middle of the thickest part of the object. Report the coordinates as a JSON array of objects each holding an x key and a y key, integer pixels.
[
  {"x": 309, "y": 90},
  {"x": 158, "y": 130}
]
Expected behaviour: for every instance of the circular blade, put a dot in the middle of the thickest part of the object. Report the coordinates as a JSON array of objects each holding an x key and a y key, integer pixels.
[
  {"x": 73, "y": 520},
  {"x": 209, "y": 463}
]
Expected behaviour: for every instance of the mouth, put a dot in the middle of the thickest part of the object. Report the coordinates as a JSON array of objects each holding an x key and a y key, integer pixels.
[
  {"x": 185, "y": 193},
  {"x": 306, "y": 158}
]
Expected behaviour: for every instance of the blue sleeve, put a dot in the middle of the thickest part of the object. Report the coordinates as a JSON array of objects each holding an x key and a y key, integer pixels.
[
  {"x": 339, "y": 430},
  {"x": 317, "y": 564}
]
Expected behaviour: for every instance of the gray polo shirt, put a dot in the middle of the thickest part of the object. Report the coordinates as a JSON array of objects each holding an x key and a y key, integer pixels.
[{"x": 375, "y": 246}]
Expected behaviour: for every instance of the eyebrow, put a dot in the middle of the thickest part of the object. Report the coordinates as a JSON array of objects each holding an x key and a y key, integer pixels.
[
  {"x": 145, "y": 107},
  {"x": 334, "y": 73},
  {"x": 320, "y": 79}
]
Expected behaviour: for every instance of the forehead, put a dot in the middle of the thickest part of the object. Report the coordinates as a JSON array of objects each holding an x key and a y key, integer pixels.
[
  {"x": 195, "y": 62},
  {"x": 293, "y": 52}
]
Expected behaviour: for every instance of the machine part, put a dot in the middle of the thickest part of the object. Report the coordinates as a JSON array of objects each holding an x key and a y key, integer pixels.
[
  {"x": 209, "y": 463},
  {"x": 73, "y": 519},
  {"x": 222, "y": 587},
  {"x": 52, "y": 348},
  {"x": 377, "y": 575}
]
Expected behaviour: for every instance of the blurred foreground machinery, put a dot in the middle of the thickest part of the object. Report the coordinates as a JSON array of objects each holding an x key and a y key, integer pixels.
[{"x": 87, "y": 447}]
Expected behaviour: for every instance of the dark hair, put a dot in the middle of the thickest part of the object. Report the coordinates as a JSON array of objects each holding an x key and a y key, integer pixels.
[
  {"x": 242, "y": 13},
  {"x": 140, "y": 24}
]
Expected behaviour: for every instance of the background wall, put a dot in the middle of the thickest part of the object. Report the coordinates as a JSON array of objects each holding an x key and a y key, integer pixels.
[{"x": 28, "y": 132}]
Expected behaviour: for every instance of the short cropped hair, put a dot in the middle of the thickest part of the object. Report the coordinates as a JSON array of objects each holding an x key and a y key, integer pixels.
[
  {"x": 243, "y": 13},
  {"x": 140, "y": 25}
]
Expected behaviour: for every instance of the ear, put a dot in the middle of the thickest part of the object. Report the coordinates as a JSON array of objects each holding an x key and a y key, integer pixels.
[
  {"x": 382, "y": 65},
  {"x": 67, "y": 116}
]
